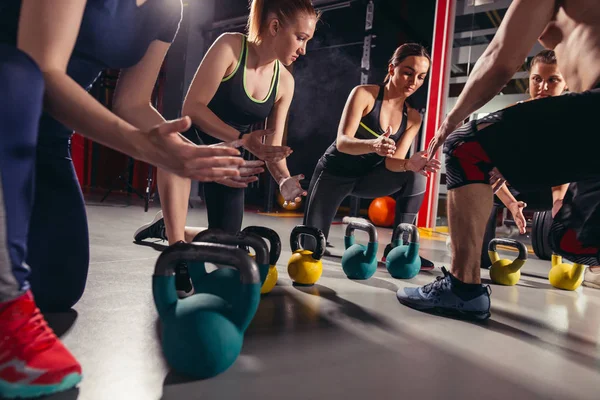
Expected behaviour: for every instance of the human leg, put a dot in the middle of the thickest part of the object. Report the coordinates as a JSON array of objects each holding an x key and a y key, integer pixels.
[
  {"x": 43, "y": 365},
  {"x": 59, "y": 258},
  {"x": 325, "y": 194},
  {"x": 472, "y": 151}
]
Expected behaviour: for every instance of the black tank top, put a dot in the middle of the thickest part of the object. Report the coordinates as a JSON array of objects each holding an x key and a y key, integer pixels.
[
  {"x": 350, "y": 165},
  {"x": 234, "y": 105}
]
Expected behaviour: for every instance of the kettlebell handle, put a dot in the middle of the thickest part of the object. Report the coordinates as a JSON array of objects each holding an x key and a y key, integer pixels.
[
  {"x": 362, "y": 226},
  {"x": 404, "y": 227},
  {"x": 511, "y": 243},
  {"x": 239, "y": 239},
  {"x": 311, "y": 231},
  {"x": 207, "y": 252},
  {"x": 272, "y": 237}
]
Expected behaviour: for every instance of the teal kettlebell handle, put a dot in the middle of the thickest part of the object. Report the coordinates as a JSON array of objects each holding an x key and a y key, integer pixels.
[
  {"x": 314, "y": 232},
  {"x": 240, "y": 239},
  {"x": 511, "y": 243},
  {"x": 165, "y": 295},
  {"x": 272, "y": 237},
  {"x": 404, "y": 227}
]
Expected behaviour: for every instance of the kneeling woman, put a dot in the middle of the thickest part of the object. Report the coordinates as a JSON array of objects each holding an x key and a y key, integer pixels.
[{"x": 367, "y": 159}]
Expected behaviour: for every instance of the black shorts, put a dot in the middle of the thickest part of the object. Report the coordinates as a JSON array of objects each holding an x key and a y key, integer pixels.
[
  {"x": 535, "y": 145},
  {"x": 538, "y": 145}
]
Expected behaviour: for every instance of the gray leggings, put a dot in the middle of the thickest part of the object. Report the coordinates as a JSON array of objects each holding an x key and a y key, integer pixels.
[{"x": 327, "y": 191}]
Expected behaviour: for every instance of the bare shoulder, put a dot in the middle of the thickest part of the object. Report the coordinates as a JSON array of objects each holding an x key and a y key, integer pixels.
[
  {"x": 414, "y": 116},
  {"x": 286, "y": 79},
  {"x": 367, "y": 91},
  {"x": 230, "y": 42}
]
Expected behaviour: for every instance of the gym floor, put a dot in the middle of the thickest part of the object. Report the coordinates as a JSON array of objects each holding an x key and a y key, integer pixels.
[{"x": 339, "y": 339}]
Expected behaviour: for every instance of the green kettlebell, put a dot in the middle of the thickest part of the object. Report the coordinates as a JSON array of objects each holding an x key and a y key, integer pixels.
[
  {"x": 305, "y": 267},
  {"x": 503, "y": 271},
  {"x": 225, "y": 280},
  {"x": 360, "y": 261},
  {"x": 274, "y": 253},
  {"x": 202, "y": 335},
  {"x": 403, "y": 261}
]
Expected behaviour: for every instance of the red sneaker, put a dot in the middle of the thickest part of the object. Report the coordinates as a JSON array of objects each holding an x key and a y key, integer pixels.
[{"x": 33, "y": 361}]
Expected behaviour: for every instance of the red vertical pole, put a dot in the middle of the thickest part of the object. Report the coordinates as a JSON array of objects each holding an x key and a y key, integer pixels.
[{"x": 443, "y": 33}]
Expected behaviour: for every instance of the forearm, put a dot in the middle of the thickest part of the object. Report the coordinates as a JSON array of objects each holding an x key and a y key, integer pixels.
[
  {"x": 278, "y": 170},
  {"x": 143, "y": 116},
  {"x": 396, "y": 164},
  {"x": 208, "y": 122},
  {"x": 506, "y": 196},
  {"x": 486, "y": 80},
  {"x": 71, "y": 105},
  {"x": 353, "y": 146},
  {"x": 559, "y": 192}
]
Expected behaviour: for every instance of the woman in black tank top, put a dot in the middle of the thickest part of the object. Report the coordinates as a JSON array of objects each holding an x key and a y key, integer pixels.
[
  {"x": 368, "y": 158},
  {"x": 241, "y": 82}
]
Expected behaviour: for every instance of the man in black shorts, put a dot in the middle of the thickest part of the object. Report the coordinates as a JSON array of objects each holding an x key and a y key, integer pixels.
[{"x": 533, "y": 146}]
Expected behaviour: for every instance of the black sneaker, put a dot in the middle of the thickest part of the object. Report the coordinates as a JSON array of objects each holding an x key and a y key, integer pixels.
[
  {"x": 154, "y": 229},
  {"x": 183, "y": 282}
]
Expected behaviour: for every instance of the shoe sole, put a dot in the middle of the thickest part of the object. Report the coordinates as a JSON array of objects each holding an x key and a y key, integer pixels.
[
  {"x": 142, "y": 228},
  {"x": 14, "y": 391},
  {"x": 449, "y": 312},
  {"x": 591, "y": 285}
]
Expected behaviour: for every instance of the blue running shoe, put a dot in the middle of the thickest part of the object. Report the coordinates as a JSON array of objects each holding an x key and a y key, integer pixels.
[{"x": 438, "y": 297}]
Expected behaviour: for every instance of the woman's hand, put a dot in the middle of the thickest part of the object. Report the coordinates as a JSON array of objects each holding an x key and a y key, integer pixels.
[
  {"x": 165, "y": 148},
  {"x": 253, "y": 143},
  {"x": 248, "y": 172},
  {"x": 421, "y": 164},
  {"x": 516, "y": 209},
  {"x": 291, "y": 190},
  {"x": 383, "y": 145}
]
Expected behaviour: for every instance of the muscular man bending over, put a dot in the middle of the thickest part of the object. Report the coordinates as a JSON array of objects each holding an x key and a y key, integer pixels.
[{"x": 529, "y": 153}]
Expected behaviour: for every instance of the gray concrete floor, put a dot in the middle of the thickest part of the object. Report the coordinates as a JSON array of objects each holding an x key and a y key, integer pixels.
[{"x": 339, "y": 339}]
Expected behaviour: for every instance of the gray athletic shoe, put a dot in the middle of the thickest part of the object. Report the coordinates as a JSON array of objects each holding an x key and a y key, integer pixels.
[
  {"x": 438, "y": 297},
  {"x": 591, "y": 279}
]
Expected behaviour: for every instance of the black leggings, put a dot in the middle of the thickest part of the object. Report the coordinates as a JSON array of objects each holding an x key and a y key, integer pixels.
[
  {"x": 224, "y": 204},
  {"x": 327, "y": 191}
]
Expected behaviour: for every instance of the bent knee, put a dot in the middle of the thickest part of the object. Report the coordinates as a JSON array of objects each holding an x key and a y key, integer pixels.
[{"x": 415, "y": 183}]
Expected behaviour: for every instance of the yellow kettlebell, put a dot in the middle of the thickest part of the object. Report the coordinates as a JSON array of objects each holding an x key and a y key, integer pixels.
[
  {"x": 503, "y": 271},
  {"x": 274, "y": 253},
  {"x": 305, "y": 267},
  {"x": 565, "y": 276}
]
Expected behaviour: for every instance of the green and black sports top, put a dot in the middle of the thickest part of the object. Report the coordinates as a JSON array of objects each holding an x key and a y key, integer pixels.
[
  {"x": 234, "y": 105},
  {"x": 350, "y": 165}
]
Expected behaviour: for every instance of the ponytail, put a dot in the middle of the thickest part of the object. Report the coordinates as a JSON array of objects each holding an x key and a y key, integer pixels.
[
  {"x": 255, "y": 20},
  {"x": 284, "y": 10}
]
